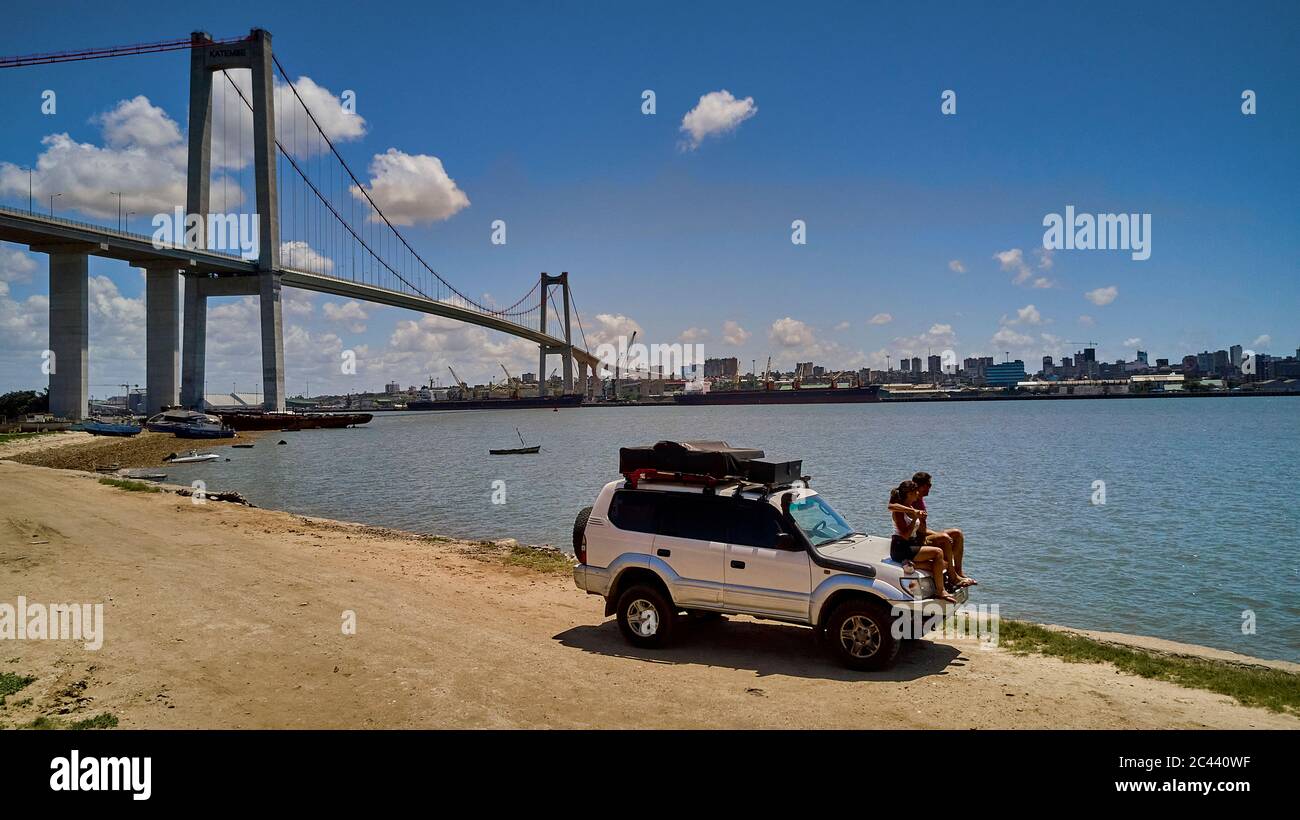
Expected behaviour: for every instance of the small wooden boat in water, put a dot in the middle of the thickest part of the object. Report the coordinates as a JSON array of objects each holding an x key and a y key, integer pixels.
[{"x": 516, "y": 451}]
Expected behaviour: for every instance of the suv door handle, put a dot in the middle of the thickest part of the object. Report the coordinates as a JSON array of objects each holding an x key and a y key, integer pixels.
[
  {"x": 663, "y": 553},
  {"x": 737, "y": 564}
]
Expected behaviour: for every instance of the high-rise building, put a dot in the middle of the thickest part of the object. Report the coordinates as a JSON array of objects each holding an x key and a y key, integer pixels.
[
  {"x": 916, "y": 364},
  {"x": 1142, "y": 357},
  {"x": 1221, "y": 362},
  {"x": 721, "y": 368},
  {"x": 803, "y": 370},
  {"x": 1005, "y": 374},
  {"x": 934, "y": 364},
  {"x": 905, "y": 365},
  {"x": 1234, "y": 356}
]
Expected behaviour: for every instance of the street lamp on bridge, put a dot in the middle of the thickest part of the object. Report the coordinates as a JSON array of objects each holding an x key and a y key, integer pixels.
[
  {"x": 118, "y": 194},
  {"x": 52, "y": 196}
]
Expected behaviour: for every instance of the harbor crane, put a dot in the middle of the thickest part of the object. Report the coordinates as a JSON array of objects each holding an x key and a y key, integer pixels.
[{"x": 464, "y": 388}]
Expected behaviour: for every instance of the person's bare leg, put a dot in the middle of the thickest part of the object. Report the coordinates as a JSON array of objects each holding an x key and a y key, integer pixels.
[
  {"x": 945, "y": 543},
  {"x": 958, "y": 552},
  {"x": 934, "y": 557}
]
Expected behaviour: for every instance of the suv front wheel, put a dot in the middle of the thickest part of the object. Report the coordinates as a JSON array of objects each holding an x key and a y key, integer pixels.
[
  {"x": 645, "y": 616},
  {"x": 859, "y": 635}
]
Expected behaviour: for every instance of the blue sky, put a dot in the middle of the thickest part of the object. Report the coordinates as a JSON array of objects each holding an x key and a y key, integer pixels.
[{"x": 535, "y": 113}]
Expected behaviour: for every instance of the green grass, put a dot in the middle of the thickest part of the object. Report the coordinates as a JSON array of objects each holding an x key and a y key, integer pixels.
[
  {"x": 11, "y": 683},
  {"x": 131, "y": 486},
  {"x": 538, "y": 560},
  {"x": 100, "y": 721},
  {"x": 1273, "y": 689}
]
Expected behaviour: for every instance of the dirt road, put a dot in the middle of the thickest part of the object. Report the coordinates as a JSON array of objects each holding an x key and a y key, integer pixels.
[{"x": 219, "y": 615}]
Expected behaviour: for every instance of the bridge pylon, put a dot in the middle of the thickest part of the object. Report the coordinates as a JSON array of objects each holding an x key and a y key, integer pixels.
[
  {"x": 565, "y": 350},
  {"x": 206, "y": 58}
]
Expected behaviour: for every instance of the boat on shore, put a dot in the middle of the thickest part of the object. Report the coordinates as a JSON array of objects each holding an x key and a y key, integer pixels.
[
  {"x": 278, "y": 420},
  {"x": 797, "y": 395},
  {"x": 504, "y": 403},
  {"x": 107, "y": 428},
  {"x": 189, "y": 424}
]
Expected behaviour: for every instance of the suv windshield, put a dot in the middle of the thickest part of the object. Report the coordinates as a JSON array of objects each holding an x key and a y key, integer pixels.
[{"x": 819, "y": 521}]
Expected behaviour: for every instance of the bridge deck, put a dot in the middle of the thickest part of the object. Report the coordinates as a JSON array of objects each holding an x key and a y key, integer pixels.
[{"x": 50, "y": 234}]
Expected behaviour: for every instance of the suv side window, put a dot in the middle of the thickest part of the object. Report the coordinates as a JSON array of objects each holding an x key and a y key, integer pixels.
[
  {"x": 688, "y": 515},
  {"x": 633, "y": 511},
  {"x": 753, "y": 524}
]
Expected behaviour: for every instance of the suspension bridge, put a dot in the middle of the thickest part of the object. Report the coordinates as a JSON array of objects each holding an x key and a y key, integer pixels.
[{"x": 318, "y": 228}]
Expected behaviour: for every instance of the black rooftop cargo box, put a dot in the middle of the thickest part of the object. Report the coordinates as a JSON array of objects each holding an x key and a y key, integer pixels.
[{"x": 712, "y": 458}]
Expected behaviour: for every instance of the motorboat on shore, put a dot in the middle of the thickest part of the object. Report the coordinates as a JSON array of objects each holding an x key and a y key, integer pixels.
[{"x": 189, "y": 424}]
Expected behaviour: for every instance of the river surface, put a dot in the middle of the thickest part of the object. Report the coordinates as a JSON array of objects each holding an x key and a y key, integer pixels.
[{"x": 1196, "y": 541}]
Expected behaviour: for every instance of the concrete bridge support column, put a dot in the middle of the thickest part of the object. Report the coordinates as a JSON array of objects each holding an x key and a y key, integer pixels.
[
  {"x": 584, "y": 387},
  {"x": 69, "y": 334},
  {"x": 272, "y": 341},
  {"x": 162, "y": 338},
  {"x": 194, "y": 352},
  {"x": 568, "y": 338}
]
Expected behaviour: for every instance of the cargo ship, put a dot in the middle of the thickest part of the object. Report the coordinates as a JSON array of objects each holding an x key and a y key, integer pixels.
[
  {"x": 503, "y": 403},
  {"x": 797, "y": 395}
]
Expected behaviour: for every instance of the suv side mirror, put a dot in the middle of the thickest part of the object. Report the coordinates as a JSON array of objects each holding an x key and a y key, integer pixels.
[{"x": 786, "y": 541}]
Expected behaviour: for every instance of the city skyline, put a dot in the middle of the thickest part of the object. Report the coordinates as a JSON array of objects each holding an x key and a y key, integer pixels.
[{"x": 923, "y": 229}]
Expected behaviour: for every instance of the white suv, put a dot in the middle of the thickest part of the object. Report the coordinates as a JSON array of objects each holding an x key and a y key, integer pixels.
[{"x": 657, "y": 543}]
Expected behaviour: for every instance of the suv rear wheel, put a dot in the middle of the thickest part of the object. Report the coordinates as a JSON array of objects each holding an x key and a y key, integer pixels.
[
  {"x": 645, "y": 616},
  {"x": 859, "y": 635}
]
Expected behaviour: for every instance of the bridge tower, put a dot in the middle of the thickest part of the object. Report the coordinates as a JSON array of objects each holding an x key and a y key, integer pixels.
[
  {"x": 206, "y": 58},
  {"x": 566, "y": 350}
]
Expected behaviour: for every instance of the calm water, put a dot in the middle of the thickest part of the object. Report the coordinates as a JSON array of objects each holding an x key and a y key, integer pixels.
[{"x": 1200, "y": 521}]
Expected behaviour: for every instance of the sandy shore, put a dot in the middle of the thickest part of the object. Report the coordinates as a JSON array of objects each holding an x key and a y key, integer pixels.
[
  {"x": 82, "y": 451},
  {"x": 219, "y": 615}
]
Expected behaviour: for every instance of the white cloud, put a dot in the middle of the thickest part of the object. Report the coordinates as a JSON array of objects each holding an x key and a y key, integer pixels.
[
  {"x": 939, "y": 337},
  {"x": 1087, "y": 321},
  {"x": 734, "y": 335},
  {"x": 1014, "y": 260},
  {"x": 1262, "y": 341},
  {"x": 1102, "y": 296},
  {"x": 143, "y": 158},
  {"x": 716, "y": 113},
  {"x": 1010, "y": 339},
  {"x": 301, "y": 256},
  {"x": 350, "y": 313},
  {"x": 16, "y": 266},
  {"x": 693, "y": 334},
  {"x": 843, "y": 326},
  {"x": 1027, "y": 315},
  {"x": 610, "y": 326},
  {"x": 1132, "y": 342},
  {"x": 881, "y": 319},
  {"x": 412, "y": 188},
  {"x": 1045, "y": 260},
  {"x": 792, "y": 333},
  {"x": 232, "y": 119},
  {"x": 956, "y": 266}
]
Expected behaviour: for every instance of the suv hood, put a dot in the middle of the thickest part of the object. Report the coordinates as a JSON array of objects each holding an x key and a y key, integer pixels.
[{"x": 860, "y": 549}]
